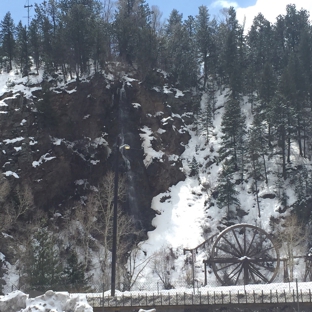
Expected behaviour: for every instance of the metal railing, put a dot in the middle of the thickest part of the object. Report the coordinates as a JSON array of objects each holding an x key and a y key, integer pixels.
[{"x": 289, "y": 293}]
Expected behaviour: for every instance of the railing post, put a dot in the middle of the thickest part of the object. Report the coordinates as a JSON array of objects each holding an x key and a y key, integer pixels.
[
  {"x": 297, "y": 294},
  {"x": 262, "y": 296},
  {"x": 103, "y": 297},
  {"x": 205, "y": 266},
  {"x": 286, "y": 275}
]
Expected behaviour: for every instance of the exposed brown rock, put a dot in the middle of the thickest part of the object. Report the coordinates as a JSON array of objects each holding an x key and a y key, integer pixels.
[{"x": 76, "y": 116}]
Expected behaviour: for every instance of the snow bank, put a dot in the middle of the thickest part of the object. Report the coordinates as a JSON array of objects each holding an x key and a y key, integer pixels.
[
  {"x": 14, "y": 301},
  {"x": 50, "y": 301}
]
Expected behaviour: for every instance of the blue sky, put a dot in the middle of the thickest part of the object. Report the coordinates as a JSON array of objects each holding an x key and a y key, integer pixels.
[{"x": 244, "y": 8}]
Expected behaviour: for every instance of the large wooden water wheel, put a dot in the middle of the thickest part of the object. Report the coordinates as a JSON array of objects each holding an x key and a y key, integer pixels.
[{"x": 244, "y": 254}]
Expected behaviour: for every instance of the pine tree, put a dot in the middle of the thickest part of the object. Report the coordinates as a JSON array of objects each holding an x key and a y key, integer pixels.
[
  {"x": 300, "y": 100},
  {"x": 279, "y": 120},
  {"x": 194, "y": 167},
  {"x": 7, "y": 38},
  {"x": 45, "y": 28},
  {"x": 305, "y": 71},
  {"x": 134, "y": 34},
  {"x": 234, "y": 129},
  {"x": 101, "y": 51},
  {"x": 227, "y": 194},
  {"x": 205, "y": 123},
  {"x": 22, "y": 52},
  {"x": 80, "y": 24},
  {"x": 204, "y": 40},
  {"x": 34, "y": 44},
  {"x": 233, "y": 53},
  {"x": 296, "y": 22},
  {"x": 43, "y": 266},
  {"x": 279, "y": 60},
  {"x": 188, "y": 71},
  {"x": 180, "y": 50},
  {"x": 266, "y": 91},
  {"x": 303, "y": 188},
  {"x": 241, "y": 152},
  {"x": 259, "y": 41},
  {"x": 74, "y": 273},
  {"x": 257, "y": 148},
  {"x": 280, "y": 187}
]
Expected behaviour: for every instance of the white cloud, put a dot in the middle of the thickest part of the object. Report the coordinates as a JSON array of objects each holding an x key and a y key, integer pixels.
[
  {"x": 270, "y": 10},
  {"x": 224, "y": 4}
]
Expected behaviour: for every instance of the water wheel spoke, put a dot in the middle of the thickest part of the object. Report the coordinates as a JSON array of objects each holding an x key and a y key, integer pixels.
[
  {"x": 259, "y": 244},
  {"x": 227, "y": 266},
  {"x": 236, "y": 271},
  {"x": 237, "y": 254},
  {"x": 238, "y": 243},
  {"x": 260, "y": 264},
  {"x": 239, "y": 273},
  {"x": 258, "y": 273},
  {"x": 252, "y": 275},
  {"x": 227, "y": 251},
  {"x": 258, "y": 253},
  {"x": 251, "y": 242}
]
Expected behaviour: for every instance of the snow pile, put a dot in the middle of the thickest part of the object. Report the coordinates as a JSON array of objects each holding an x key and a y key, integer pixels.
[
  {"x": 14, "y": 301},
  {"x": 50, "y": 301}
]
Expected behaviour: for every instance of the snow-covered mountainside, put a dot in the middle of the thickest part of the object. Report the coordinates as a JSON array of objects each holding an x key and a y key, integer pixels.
[
  {"x": 57, "y": 143},
  {"x": 187, "y": 216}
]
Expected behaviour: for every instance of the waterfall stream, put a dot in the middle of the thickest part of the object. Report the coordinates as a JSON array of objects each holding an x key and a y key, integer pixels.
[{"x": 131, "y": 158}]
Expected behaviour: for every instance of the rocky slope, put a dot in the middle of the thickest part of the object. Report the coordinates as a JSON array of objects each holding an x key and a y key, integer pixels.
[{"x": 58, "y": 140}]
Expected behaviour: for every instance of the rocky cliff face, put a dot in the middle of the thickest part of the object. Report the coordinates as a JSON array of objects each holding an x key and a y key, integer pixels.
[{"x": 58, "y": 139}]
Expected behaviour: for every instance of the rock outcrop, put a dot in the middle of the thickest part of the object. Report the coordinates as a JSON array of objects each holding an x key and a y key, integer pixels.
[{"x": 59, "y": 135}]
